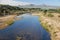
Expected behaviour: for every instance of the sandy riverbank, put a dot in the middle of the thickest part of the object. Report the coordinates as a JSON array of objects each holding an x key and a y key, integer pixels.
[{"x": 6, "y": 20}]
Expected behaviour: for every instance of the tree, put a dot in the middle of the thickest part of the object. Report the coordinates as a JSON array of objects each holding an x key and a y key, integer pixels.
[{"x": 45, "y": 11}]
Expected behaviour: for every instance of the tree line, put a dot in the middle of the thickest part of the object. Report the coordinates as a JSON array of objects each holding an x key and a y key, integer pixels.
[{"x": 9, "y": 10}]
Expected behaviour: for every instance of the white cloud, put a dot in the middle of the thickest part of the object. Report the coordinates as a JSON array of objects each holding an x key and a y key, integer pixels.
[{"x": 13, "y": 2}]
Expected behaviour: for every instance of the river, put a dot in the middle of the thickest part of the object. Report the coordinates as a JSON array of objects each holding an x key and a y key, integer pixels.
[{"x": 27, "y": 28}]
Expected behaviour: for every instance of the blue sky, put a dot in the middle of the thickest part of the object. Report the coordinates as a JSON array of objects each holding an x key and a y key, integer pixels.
[
  {"x": 25, "y": 2},
  {"x": 47, "y": 2}
]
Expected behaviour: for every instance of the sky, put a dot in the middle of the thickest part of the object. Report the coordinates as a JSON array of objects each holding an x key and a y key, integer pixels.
[{"x": 26, "y": 2}]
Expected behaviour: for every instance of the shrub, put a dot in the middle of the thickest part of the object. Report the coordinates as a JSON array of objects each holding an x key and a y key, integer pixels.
[
  {"x": 50, "y": 15},
  {"x": 45, "y": 12},
  {"x": 58, "y": 15}
]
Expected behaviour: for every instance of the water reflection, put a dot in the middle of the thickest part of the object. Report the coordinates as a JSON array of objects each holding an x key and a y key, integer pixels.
[{"x": 28, "y": 28}]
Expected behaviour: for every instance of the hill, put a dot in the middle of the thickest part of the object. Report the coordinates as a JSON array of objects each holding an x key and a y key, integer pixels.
[{"x": 38, "y": 6}]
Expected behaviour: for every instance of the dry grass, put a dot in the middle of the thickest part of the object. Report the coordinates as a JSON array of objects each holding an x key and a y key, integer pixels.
[
  {"x": 5, "y": 21},
  {"x": 51, "y": 24}
]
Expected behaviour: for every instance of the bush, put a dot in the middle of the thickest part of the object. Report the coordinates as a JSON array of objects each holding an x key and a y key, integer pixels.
[
  {"x": 45, "y": 12},
  {"x": 50, "y": 15},
  {"x": 58, "y": 15}
]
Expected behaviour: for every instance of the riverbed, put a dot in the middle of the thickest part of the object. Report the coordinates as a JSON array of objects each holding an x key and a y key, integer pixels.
[{"x": 27, "y": 28}]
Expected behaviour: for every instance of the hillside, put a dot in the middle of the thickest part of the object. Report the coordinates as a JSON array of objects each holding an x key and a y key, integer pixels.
[{"x": 39, "y": 6}]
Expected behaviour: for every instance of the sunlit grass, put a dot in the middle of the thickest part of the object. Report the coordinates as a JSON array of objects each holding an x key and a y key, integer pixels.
[{"x": 9, "y": 22}]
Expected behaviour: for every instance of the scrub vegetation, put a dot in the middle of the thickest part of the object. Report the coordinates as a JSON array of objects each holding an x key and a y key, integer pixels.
[{"x": 49, "y": 18}]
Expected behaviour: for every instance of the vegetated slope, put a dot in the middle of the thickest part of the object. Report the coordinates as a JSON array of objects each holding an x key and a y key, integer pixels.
[
  {"x": 51, "y": 22},
  {"x": 7, "y": 9}
]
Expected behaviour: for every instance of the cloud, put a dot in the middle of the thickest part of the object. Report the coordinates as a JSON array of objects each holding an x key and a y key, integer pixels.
[{"x": 13, "y": 2}]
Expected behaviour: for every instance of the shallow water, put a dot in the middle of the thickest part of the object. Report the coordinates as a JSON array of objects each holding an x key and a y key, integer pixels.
[{"x": 27, "y": 28}]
